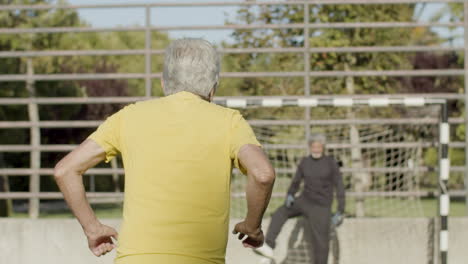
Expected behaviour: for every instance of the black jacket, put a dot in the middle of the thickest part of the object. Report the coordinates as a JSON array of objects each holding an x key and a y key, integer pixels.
[{"x": 321, "y": 176}]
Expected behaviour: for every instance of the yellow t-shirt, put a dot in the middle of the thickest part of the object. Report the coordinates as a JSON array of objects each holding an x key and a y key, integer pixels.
[{"x": 177, "y": 154}]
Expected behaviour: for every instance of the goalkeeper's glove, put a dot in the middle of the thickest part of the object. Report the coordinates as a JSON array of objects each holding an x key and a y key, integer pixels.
[
  {"x": 289, "y": 201},
  {"x": 337, "y": 219}
]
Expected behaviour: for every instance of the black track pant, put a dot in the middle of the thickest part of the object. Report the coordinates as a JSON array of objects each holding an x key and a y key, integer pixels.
[{"x": 318, "y": 219}]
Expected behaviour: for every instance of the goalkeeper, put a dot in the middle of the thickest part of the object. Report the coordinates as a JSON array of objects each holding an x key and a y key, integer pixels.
[{"x": 321, "y": 175}]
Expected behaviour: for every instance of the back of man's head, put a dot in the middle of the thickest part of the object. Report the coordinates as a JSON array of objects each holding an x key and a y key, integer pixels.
[{"x": 191, "y": 65}]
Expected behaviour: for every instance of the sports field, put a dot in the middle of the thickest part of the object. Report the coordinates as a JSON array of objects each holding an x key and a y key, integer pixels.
[
  {"x": 429, "y": 207},
  {"x": 384, "y": 84}
]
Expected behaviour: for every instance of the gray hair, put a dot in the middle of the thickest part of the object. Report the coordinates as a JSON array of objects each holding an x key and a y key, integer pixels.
[
  {"x": 317, "y": 137},
  {"x": 191, "y": 65}
]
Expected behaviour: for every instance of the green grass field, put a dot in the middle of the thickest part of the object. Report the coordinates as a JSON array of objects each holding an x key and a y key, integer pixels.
[{"x": 375, "y": 207}]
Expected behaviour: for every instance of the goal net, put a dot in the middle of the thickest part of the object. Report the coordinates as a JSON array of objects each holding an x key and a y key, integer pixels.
[{"x": 387, "y": 157}]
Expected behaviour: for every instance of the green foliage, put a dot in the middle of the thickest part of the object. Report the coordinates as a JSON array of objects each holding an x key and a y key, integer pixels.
[
  {"x": 65, "y": 64},
  {"x": 330, "y": 61},
  {"x": 245, "y": 62},
  {"x": 333, "y": 61}
]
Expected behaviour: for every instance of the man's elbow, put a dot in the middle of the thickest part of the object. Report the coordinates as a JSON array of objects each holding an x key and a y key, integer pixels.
[
  {"x": 59, "y": 172},
  {"x": 265, "y": 176}
]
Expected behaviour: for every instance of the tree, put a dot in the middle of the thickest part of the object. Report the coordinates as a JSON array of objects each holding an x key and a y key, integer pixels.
[
  {"x": 26, "y": 18},
  {"x": 66, "y": 64},
  {"x": 331, "y": 61}
]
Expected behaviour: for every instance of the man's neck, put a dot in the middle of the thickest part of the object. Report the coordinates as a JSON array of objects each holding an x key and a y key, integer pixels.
[{"x": 208, "y": 99}]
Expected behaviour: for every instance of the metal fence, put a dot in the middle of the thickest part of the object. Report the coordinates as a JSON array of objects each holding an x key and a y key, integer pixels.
[{"x": 35, "y": 124}]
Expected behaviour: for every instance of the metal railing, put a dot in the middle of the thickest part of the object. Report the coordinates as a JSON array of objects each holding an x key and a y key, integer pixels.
[
  {"x": 35, "y": 124},
  {"x": 32, "y": 102}
]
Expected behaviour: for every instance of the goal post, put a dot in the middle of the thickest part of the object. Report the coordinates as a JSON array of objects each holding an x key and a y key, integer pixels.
[{"x": 373, "y": 102}]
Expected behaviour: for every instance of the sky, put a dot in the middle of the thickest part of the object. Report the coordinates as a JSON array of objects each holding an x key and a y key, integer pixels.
[
  {"x": 180, "y": 16},
  {"x": 167, "y": 16}
]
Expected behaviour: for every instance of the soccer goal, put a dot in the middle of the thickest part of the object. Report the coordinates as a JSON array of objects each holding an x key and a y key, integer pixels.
[{"x": 393, "y": 153}]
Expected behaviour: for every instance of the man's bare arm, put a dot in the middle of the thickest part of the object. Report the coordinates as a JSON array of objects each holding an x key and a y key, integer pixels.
[
  {"x": 260, "y": 181},
  {"x": 68, "y": 175},
  {"x": 261, "y": 178}
]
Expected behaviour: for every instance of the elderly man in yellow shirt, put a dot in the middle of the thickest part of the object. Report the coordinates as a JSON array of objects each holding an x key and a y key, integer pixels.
[{"x": 178, "y": 152}]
